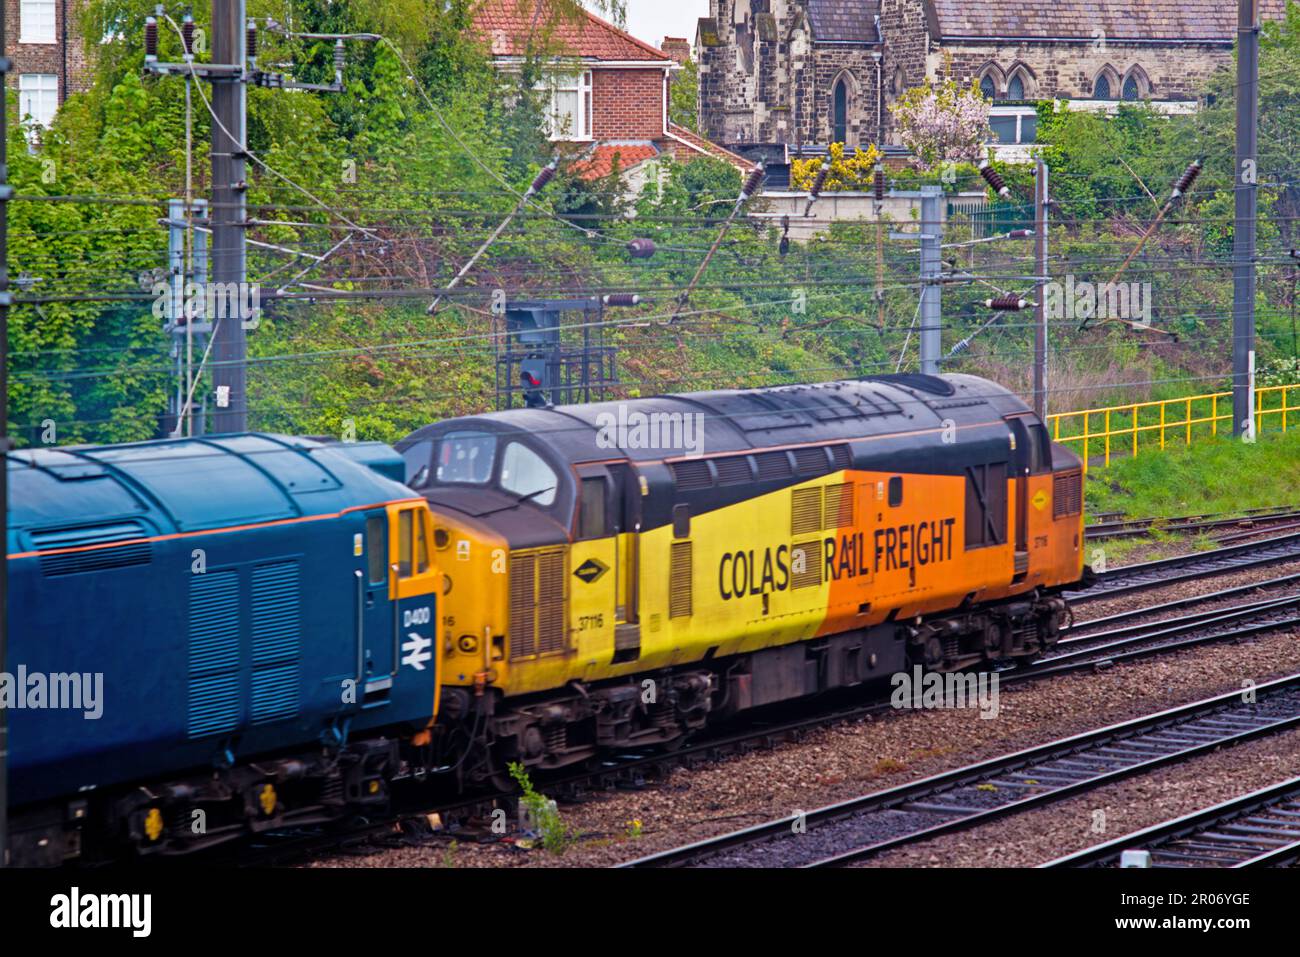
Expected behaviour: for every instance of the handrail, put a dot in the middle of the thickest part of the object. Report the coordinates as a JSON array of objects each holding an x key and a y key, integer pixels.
[{"x": 1198, "y": 416}]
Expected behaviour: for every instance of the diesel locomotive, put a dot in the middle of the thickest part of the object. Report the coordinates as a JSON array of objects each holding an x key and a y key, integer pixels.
[
  {"x": 216, "y": 636},
  {"x": 209, "y": 638},
  {"x": 607, "y": 586}
]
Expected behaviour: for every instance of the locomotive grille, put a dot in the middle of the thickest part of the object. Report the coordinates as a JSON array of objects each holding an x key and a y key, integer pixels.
[
  {"x": 811, "y": 461},
  {"x": 806, "y": 554},
  {"x": 523, "y": 606},
  {"x": 733, "y": 470},
  {"x": 691, "y": 474},
  {"x": 277, "y": 633},
  {"x": 805, "y": 511},
  {"x": 839, "y": 506},
  {"x": 679, "y": 581},
  {"x": 550, "y": 602},
  {"x": 214, "y": 653},
  {"x": 93, "y": 560},
  {"x": 773, "y": 465},
  {"x": 537, "y": 614},
  {"x": 1067, "y": 494}
]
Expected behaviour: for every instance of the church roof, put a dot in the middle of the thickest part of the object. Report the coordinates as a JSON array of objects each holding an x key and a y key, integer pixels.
[
  {"x": 1137, "y": 20},
  {"x": 844, "y": 21}
]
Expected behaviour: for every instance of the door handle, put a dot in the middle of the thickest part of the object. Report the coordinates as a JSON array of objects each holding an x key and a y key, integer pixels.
[
  {"x": 361, "y": 631},
  {"x": 397, "y": 631}
]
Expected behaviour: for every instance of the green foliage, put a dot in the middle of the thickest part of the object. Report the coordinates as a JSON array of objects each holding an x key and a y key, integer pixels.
[
  {"x": 683, "y": 97},
  {"x": 1207, "y": 477},
  {"x": 557, "y": 837},
  {"x": 854, "y": 172}
]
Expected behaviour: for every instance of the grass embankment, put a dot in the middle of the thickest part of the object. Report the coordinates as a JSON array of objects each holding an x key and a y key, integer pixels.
[{"x": 1210, "y": 477}]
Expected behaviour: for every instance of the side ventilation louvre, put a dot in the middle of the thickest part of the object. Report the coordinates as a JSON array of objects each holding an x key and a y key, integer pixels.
[
  {"x": 733, "y": 470},
  {"x": 550, "y": 602},
  {"x": 805, "y": 511},
  {"x": 523, "y": 606},
  {"x": 93, "y": 559},
  {"x": 691, "y": 474},
  {"x": 839, "y": 506},
  {"x": 680, "y": 603},
  {"x": 805, "y": 564},
  {"x": 812, "y": 461},
  {"x": 277, "y": 641},
  {"x": 213, "y": 705},
  {"x": 1067, "y": 494},
  {"x": 840, "y": 457},
  {"x": 537, "y": 614},
  {"x": 773, "y": 465}
]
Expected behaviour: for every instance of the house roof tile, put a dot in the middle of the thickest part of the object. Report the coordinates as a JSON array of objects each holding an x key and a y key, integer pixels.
[
  {"x": 602, "y": 160},
  {"x": 508, "y": 25}
]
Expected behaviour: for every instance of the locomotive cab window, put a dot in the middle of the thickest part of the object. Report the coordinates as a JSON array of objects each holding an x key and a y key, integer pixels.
[
  {"x": 524, "y": 473},
  {"x": 466, "y": 457},
  {"x": 417, "y": 459},
  {"x": 1042, "y": 449},
  {"x": 405, "y": 526},
  {"x": 410, "y": 530},
  {"x": 376, "y": 549},
  {"x": 896, "y": 491},
  {"x": 591, "y": 509}
]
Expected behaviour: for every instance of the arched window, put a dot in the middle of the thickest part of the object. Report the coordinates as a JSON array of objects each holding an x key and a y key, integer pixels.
[
  {"x": 840, "y": 112},
  {"x": 1016, "y": 88},
  {"x": 1131, "y": 90},
  {"x": 988, "y": 87},
  {"x": 1101, "y": 89}
]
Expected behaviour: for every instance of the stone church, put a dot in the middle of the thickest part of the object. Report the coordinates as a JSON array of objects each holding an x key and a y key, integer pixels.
[{"x": 800, "y": 72}]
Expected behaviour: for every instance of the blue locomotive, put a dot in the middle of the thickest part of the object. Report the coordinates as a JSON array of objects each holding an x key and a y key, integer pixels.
[{"x": 211, "y": 636}]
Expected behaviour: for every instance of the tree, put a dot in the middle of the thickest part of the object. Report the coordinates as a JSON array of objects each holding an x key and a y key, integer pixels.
[
  {"x": 684, "y": 97},
  {"x": 846, "y": 173},
  {"x": 943, "y": 122}
]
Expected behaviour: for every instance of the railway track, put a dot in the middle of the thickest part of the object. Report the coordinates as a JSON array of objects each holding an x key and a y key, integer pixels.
[
  {"x": 1167, "y": 571},
  {"x": 1085, "y": 646},
  {"x": 1260, "y": 829},
  {"x": 861, "y": 828},
  {"x": 1136, "y": 528},
  {"x": 1116, "y": 528}
]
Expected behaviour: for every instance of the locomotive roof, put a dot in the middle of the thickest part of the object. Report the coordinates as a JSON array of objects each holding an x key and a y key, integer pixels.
[
  {"x": 191, "y": 483},
  {"x": 738, "y": 420}
]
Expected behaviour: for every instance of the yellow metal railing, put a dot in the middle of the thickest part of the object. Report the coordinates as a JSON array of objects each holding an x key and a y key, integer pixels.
[{"x": 1123, "y": 428}]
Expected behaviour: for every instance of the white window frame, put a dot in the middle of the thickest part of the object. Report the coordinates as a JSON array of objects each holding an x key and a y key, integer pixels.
[
  {"x": 577, "y": 82},
  {"x": 1019, "y": 112},
  {"x": 27, "y": 22},
  {"x": 39, "y": 85}
]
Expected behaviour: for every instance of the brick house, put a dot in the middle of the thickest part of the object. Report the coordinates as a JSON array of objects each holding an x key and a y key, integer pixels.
[
  {"x": 44, "y": 40},
  {"x": 607, "y": 91},
  {"x": 819, "y": 71}
]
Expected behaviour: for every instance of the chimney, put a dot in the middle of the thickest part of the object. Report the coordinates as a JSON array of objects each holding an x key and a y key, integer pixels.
[{"x": 678, "y": 48}]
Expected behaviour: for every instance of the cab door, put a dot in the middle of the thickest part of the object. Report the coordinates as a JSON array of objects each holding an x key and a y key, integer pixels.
[
  {"x": 374, "y": 613},
  {"x": 1021, "y": 466},
  {"x": 412, "y": 587},
  {"x": 595, "y": 565}
]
